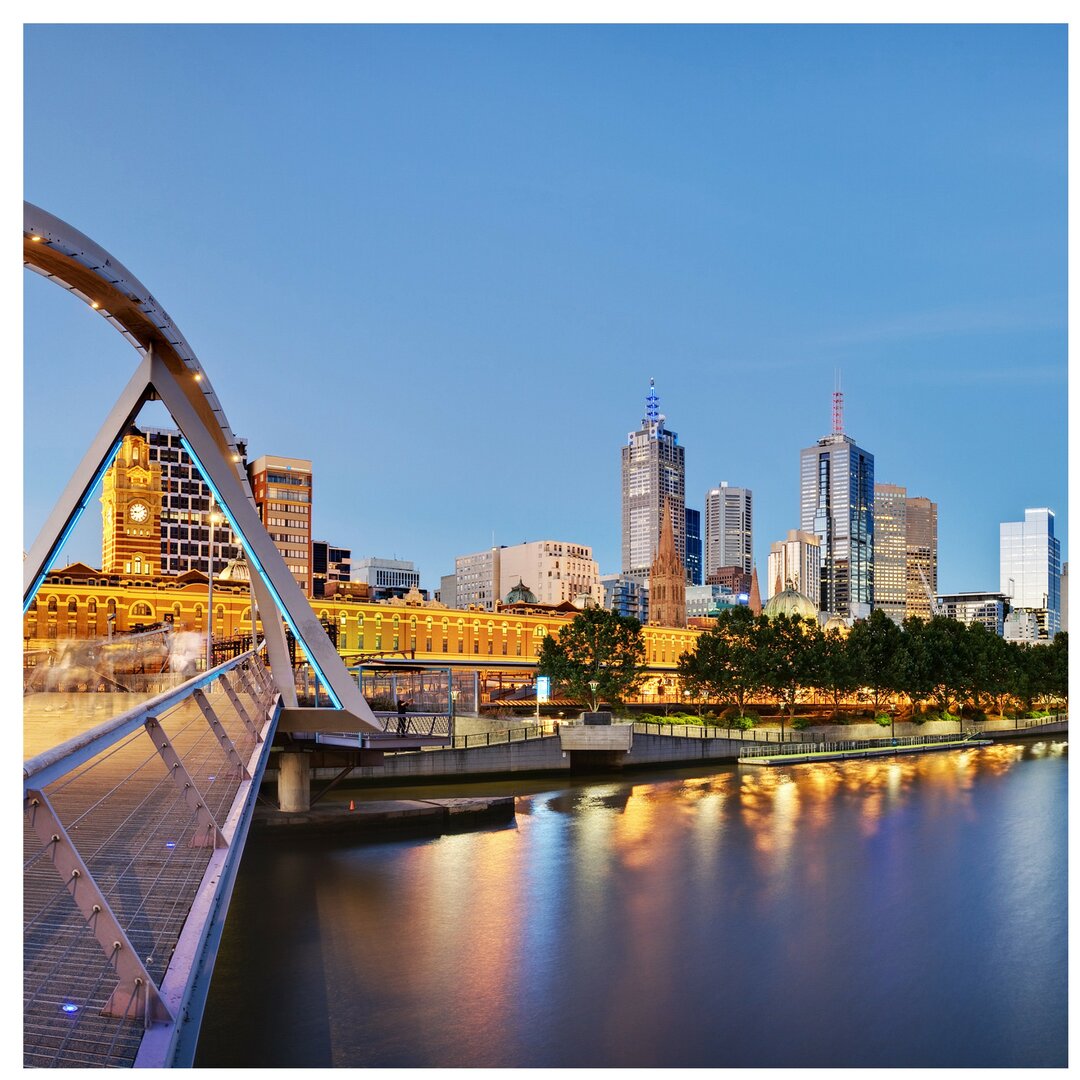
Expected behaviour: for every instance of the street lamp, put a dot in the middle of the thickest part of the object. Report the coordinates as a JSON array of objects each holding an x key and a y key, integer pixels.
[
  {"x": 213, "y": 517},
  {"x": 594, "y": 685}
]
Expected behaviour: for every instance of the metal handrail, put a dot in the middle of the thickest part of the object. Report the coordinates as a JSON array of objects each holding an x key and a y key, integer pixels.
[
  {"x": 55, "y": 762},
  {"x": 796, "y": 748}
]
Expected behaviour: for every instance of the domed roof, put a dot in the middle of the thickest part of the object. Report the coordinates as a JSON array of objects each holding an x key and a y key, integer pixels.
[
  {"x": 791, "y": 602},
  {"x": 836, "y": 622},
  {"x": 235, "y": 570},
  {"x": 520, "y": 594}
]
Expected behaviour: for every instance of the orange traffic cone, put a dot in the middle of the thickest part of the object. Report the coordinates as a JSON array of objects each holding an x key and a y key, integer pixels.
[{"x": 352, "y": 805}]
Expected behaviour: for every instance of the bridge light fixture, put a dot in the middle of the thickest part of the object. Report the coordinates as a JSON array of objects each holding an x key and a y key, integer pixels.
[
  {"x": 36, "y": 239},
  {"x": 198, "y": 376},
  {"x": 69, "y": 1007},
  {"x": 94, "y": 304}
]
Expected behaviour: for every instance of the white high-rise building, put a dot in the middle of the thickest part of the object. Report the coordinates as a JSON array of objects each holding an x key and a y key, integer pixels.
[
  {"x": 798, "y": 560},
  {"x": 553, "y": 571},
  {"x": 729, "y": 528},
  {"x": 653, "y": 476},
  {"x": 1031, "y": 568}
]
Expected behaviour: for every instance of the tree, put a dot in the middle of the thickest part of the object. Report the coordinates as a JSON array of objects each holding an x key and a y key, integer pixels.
[
  {"x": 949, "y": 663},
  {"x": 596, "y": 646},
  {"x": 832, "y": 669},
  {"x": 914, "y": 677},
  {"x": 726, "y": 664},
  {"x": 993, "y": 659},
  {"x": 788, "y": 648},
  {"x": 1057, "y": 667},
  {"x": 875, "y": 645}
]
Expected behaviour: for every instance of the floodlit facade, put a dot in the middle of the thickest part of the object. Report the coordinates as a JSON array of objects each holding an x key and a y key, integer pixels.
[
  {"x": 836, "y": 500},
  {"x": 282, "y": 487},
  {"x": 890, "y": 551},
  {"x": 1031, "y": 568},
  {"x": 797, "y": 560},
  {"x": 922, "y": 556},
  {"x": 653, "y": 473},
  {"x": 729, "y": 528}
]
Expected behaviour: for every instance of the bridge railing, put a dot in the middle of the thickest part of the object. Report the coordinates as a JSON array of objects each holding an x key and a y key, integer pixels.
[
  {"x": 132, "y": 833},
  {"x": 838, "y": 746},
  {"x": 432, "y": 724}
]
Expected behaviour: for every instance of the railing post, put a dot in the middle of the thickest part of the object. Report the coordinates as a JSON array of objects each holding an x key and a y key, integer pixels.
[
  {"x": 207, "y": 833},
  {"x": 222, "y": 735},
  {"x": 136, "y": 993}
]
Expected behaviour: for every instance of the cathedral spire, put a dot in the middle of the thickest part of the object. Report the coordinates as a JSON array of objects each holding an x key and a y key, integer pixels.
[
  {"x": 667, "y": 578},
  {"x": 755, "y": 593}
]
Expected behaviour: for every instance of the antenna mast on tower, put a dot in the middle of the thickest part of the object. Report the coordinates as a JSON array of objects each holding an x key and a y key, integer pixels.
[{"x": 838, "y": 407}]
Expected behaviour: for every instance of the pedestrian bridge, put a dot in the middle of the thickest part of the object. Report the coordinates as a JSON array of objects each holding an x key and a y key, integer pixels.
[
  {"x": 132, "y": 838},
  {"x": 134, "y": 821}
]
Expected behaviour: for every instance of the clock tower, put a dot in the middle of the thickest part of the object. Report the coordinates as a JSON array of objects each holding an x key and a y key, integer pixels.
[{"x": 131, "y": 511}]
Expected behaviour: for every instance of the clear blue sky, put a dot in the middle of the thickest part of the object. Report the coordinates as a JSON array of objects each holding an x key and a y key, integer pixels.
[{"x": 444, "y": 262}]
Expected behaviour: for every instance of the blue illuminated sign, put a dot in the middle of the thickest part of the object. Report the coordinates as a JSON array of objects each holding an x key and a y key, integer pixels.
[{"x": 543, "y": 688}]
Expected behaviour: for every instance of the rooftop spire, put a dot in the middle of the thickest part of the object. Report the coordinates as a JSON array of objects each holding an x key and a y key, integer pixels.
[
  {"x": 652, "y": 403},
  {"x": 837, "y": 407}
]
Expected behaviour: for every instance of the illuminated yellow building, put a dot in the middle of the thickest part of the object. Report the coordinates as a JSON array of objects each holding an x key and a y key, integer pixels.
[
  {"x": 130, "y": 593},
  {"x": 77, "y": 602}
]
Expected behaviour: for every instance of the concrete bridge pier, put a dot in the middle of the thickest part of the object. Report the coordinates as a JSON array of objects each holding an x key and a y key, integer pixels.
[{"x": 294, "y": 781}]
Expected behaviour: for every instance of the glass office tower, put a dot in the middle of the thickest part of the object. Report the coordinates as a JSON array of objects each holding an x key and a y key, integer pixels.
[
  {"x": 1031, "y": 568},
  {"x": 836, "y": 495}
]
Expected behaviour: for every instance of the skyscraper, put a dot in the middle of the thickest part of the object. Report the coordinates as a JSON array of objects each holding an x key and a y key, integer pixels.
[
  {"x": 1031, "y": 568},
  {"x": 890, "y": 551},
  {"x": 729, "y": 528},
  {"x": 282, "y": 488},
  {"x": 836, "y": 495},
  {"x": 653, "y": 470},
  {"x": 922, "y": 580},
  {"x": 694, "y": 570}
]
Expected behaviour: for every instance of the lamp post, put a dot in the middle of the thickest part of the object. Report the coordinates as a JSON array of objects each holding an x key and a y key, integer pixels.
[
  {"x": 594, "y": 685},
  {"x": 212, "y": 517}
]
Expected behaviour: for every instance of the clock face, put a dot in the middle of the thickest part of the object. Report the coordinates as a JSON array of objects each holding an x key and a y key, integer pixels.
[{"x": 138, "y": 512}]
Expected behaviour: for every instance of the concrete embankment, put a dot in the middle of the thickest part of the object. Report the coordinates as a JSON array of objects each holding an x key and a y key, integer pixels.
[
  {"x": 537, "y": 757},
  {"x": 534, "y": 757},
  {"x": 389, "y": 818}
]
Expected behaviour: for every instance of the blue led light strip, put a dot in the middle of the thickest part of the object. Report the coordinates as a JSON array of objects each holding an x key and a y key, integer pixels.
[
  {"x": 253, "y": 559},
  {"x": 62, "y": 539}
]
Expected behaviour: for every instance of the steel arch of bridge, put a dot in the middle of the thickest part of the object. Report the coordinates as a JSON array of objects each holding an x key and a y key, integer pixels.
[{"x": 171, "y": 372}]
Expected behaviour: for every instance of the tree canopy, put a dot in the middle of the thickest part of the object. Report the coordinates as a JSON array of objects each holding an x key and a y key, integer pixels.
[{"x": 596, "y": 646}]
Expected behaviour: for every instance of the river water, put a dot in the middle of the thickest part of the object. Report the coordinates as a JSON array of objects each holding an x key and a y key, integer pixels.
[{"x": 898, "y": 912}]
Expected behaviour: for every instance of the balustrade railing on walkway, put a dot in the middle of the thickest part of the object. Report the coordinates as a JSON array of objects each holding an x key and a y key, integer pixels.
[
  {"x": 132, "y": 833},
  {"x": 836, "y": 746}
]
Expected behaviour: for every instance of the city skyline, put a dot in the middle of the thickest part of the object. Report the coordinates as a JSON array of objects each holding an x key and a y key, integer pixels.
[{"x": 950, "y": 305}]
